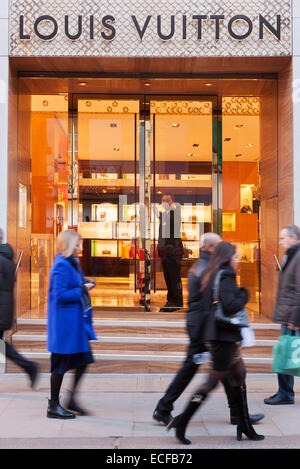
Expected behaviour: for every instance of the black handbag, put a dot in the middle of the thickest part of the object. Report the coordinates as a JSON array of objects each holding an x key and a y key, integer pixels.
[{"x": 235, "y": 321}]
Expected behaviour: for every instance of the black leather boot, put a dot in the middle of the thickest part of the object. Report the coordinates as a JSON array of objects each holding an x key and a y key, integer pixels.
[
  {"x": 33, "y": 373},
  {"x": 232, "y": 397},
  {"x": 244, "y": 425},
  {"x": 74, "y": 406},
  {"x": 181, "y": 421},
  {"x": 56, "y": 411}
]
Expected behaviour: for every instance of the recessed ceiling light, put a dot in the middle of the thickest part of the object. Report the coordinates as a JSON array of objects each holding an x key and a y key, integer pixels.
[
  {"x": 116, "y": 149},
  {"x": 238, "y": 155},
  {"x": 82, "y": 83},
  {"x": 227, "y": 139},
  {"x": 238, "y": 126},
  {"x": 189, "y": 154},
  {"x": 175, "y": 125},
  {"x": 208, "y": 84},
  {"x": 250, "y": 144},
  {"x": 147, "y": 84},
  {"x": 196, "y": 145}
]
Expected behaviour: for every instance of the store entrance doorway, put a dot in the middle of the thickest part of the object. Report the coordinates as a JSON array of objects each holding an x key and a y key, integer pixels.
[
  {"x": 106, "y": 165},
  {"x": 129, "y": 155}
]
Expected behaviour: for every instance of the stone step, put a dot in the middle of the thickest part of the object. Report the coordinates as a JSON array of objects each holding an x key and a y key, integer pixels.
[
  {"x": 133, "y": 362},
  {"x": 144, "y": 327},
  {"x": 139, "y": 344},
  {"x": 30, "y": 342}
]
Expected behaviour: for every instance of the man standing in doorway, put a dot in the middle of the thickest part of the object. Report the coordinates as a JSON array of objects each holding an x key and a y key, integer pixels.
[
  {"x": 170, "y": 250},
  {"x": 287, "y": 307}
]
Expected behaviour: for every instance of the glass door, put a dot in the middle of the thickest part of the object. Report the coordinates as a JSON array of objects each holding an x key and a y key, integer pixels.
[
  {"x": 185, "y": 191},
  {"x": 105, "y": 195},
  {"x": 137, "y": 162}
]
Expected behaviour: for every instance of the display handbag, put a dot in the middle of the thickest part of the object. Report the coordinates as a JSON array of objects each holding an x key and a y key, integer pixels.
[
  {"x": 286, "y": 355},
  {"x": 235, "y": 321}
]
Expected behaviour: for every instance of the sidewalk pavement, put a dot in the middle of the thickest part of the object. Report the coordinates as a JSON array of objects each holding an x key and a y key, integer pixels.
[{"x": 122, "y": 407}]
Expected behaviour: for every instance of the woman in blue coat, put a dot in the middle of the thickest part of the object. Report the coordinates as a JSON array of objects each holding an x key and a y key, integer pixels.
[{"x": 68, "y": 331}]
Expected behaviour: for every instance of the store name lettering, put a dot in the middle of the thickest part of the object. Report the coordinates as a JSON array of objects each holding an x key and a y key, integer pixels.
[{"x": 165, "y": 29}]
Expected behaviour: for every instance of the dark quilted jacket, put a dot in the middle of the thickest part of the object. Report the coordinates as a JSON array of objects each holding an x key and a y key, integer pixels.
[
  {"x": 287, "y": 307},
  {"x": 7, "y": 279}
]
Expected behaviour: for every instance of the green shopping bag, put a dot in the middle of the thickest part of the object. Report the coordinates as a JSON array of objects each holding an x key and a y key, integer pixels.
[{"x": 286, "y": 355}]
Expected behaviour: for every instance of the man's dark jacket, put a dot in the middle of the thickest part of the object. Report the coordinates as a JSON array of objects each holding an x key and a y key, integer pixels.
[
  {"x": 196, "y": 312},
  {"x": 7, "y": 279},
  {"x": 169, "y": 240},
  {"x": 287, "y": 306}
]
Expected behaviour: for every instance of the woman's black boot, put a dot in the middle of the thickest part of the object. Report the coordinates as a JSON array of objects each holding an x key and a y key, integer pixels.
[
  {"x": 181, "y": 421},
  {"x": 74, "y": 406},
  {"x": 56, "y": 411},
  {"x": 245, "y": 425},
  {"x": 232, "y": 394}
]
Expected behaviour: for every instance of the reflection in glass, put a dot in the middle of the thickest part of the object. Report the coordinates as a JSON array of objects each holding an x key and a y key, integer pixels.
[
  {"x": 181, "y": 164},
  {"x": 107, "y": 187},
  {"x": 241, "y": 182}
]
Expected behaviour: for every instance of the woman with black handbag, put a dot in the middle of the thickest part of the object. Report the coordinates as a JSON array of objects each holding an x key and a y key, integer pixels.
[{"x": 223, "y": 338}]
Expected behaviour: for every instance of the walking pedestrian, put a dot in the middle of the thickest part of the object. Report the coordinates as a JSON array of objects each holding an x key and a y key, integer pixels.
[
  {"x": 195, "y": 328},
  {"x": 7, "y": 281},
  {"x": 68, "y": 335},
  {"x": 287, "y": 306},
  {"x": 223, "y": 343}
]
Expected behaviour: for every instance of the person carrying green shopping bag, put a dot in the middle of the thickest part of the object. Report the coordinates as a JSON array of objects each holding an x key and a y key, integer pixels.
[
  {"x": 287, "y": 312},
  {"x": 286, "y": 354}
]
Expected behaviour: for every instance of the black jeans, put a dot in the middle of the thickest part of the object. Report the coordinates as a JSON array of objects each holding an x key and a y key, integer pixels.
[
  {"x": 285, "y": 382},
  {"x": 171, "y": 268},
  {"x": 185, "y": 375},
  {"x": 12, "y": 354}
]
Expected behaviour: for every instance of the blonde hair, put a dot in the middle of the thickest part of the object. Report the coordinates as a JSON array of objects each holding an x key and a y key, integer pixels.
[{"x": 66, "y": 242}]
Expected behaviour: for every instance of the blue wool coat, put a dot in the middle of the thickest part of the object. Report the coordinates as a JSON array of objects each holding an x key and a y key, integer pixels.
[{"x": 66, "y": 330}]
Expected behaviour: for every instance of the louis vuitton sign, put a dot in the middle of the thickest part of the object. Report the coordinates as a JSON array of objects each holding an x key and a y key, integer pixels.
[{"x": 122, "y": 28}]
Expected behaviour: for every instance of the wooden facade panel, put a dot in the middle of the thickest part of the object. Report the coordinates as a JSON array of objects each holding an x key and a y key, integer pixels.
[
  {"x": 24, "y": 232},
  {"x": 269, "y": 247},
  {"x": 285, "y": 147},
  {"x": 156, "y": 65}
]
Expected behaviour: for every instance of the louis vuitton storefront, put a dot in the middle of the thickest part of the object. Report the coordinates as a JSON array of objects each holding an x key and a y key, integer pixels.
[{"x": 107, "y": 109}]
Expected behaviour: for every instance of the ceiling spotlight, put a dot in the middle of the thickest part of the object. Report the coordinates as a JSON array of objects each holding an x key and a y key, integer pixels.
[
  {"x": 238, "y": 155},
  {"x": 208, "y": 84},
  {"x": 116, "y": 149},
  {"x": 82, "y": 83},
  {"x": 250, "y": 144},
  {"x": 227, "y": 139},
  {"x": 196, "y": 145},
  {"x": 238, "y": 126},
  {"x": 189, "y": 154},
  {"x": 147, "y": 84},
  {"x": 175, "y": 125}
]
